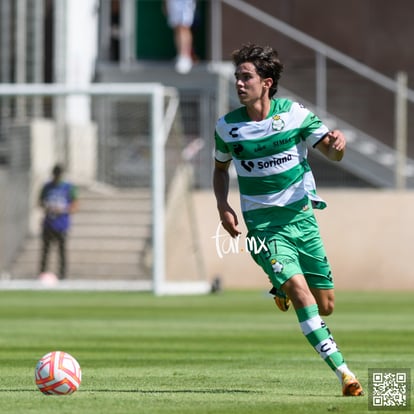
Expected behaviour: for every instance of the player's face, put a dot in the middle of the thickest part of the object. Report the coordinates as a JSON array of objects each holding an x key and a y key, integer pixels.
[{"x": 250, "y": 86}]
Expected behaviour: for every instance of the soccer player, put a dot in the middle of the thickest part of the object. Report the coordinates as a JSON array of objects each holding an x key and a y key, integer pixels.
[
  {"x": 59, "y": 200},
  {"x": 267, "y": 140}
]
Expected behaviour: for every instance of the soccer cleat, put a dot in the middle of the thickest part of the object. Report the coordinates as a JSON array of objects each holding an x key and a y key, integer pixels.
[
  {"x": 281, "y": 300},
  {"x": 351, "y": 386}
]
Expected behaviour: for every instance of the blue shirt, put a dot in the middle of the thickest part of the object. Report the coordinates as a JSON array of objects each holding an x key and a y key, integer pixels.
[{"x": 57, "y": 198}]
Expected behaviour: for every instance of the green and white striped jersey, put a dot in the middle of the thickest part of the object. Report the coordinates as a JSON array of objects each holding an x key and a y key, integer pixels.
[{"x": 270, "y": 157}]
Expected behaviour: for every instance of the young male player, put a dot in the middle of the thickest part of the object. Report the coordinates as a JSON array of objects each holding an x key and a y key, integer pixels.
[{"x": 267, "y": 141}]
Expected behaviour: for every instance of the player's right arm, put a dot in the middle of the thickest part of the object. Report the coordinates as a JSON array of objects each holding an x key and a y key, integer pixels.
[{"x": 227, "y": 215}]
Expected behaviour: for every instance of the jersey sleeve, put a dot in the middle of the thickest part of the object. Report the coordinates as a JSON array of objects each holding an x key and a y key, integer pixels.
[
  {"x": 312, "y": 128},
  {"x": 222, "y": 152}
]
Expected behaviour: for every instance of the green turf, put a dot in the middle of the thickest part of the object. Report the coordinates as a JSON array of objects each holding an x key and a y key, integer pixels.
[{"x": 233, "y": 352}]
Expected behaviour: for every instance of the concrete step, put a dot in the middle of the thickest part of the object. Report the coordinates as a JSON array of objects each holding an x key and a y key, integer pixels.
[
  {"x": 113, "y": 231},
  {"x": 93, "y": 244},
  {"x": 115, "y": 206},
  {"x": 110, "y": 218},
  {"x": 119, "y": 266},
  {"x": 86, "y": 256},
  {"x": 106, "y": 242},
  {"x": 88, "y": 271}
]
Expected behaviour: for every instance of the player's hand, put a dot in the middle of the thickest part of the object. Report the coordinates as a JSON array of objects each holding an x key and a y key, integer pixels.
[
  {"x": 229, "y": 221},
  {"x": 337, "y": 140},
  {"x": 333, "y": 145}
]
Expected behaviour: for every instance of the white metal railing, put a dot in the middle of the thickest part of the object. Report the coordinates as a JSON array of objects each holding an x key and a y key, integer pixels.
[
  {"x": 323, "y": 52},
  {"x": 321, "y": 49}
]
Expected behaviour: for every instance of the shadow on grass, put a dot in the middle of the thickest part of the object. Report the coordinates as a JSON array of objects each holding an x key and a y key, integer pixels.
[{"x": 186, "y": 391}]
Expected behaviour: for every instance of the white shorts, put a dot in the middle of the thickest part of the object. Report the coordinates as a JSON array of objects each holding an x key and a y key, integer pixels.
[{"x": 180, "y": 12}]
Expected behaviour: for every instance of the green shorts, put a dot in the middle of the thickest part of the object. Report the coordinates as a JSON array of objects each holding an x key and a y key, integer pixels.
[{"x": 292, "y": 249}]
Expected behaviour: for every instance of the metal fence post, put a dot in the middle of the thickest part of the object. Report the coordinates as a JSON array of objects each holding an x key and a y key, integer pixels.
[
  {"x": 401, "y": 131},
  {"x": 321, "y": 82}
]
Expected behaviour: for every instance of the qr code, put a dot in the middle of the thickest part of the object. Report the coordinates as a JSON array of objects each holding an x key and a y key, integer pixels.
[{"x": 389, "y": 389}]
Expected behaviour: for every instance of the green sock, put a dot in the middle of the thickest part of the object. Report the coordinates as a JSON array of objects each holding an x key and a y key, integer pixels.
[{"x": 319, "y": 336}]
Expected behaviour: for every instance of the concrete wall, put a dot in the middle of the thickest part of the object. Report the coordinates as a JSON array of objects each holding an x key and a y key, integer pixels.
[{"x": 367, "y": 234}]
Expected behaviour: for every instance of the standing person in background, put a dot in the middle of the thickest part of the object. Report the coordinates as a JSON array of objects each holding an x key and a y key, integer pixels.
[
  {"x": 267, "y": 139},
  {"x": 59, "y": 200},
  {"x": 180, "y": 15}
]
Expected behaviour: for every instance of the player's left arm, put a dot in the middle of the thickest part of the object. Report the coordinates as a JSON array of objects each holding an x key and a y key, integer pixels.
[{"x": 332, "y": 145}]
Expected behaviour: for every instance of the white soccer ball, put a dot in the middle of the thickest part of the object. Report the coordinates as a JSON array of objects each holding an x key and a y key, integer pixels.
[{"x": 58, "y": 373}]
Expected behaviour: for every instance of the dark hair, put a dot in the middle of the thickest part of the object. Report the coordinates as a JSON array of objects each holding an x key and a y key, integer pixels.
[
  {"x": 57, "y": 170},
  {"x": 264, "y": 58}
]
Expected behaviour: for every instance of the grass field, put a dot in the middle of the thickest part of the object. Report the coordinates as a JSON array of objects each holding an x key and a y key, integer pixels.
[{"x": 233, "y": 352}]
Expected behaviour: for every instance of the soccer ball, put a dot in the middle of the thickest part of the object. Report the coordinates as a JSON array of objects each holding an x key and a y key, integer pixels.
[{"x": 58, "y": 373}]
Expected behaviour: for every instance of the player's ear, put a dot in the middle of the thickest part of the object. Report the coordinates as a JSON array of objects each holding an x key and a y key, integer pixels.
[{"x": 268, "y": 82}]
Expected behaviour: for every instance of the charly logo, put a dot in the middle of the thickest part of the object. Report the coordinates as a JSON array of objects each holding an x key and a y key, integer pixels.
[
  {"x": 277, "y": 123},
  {"x": 228, "y": 245},
  {"x": 233, "y": 132}
]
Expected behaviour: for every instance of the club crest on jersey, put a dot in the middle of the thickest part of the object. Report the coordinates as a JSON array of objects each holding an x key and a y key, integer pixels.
[{"x": 277, "y": 123}]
